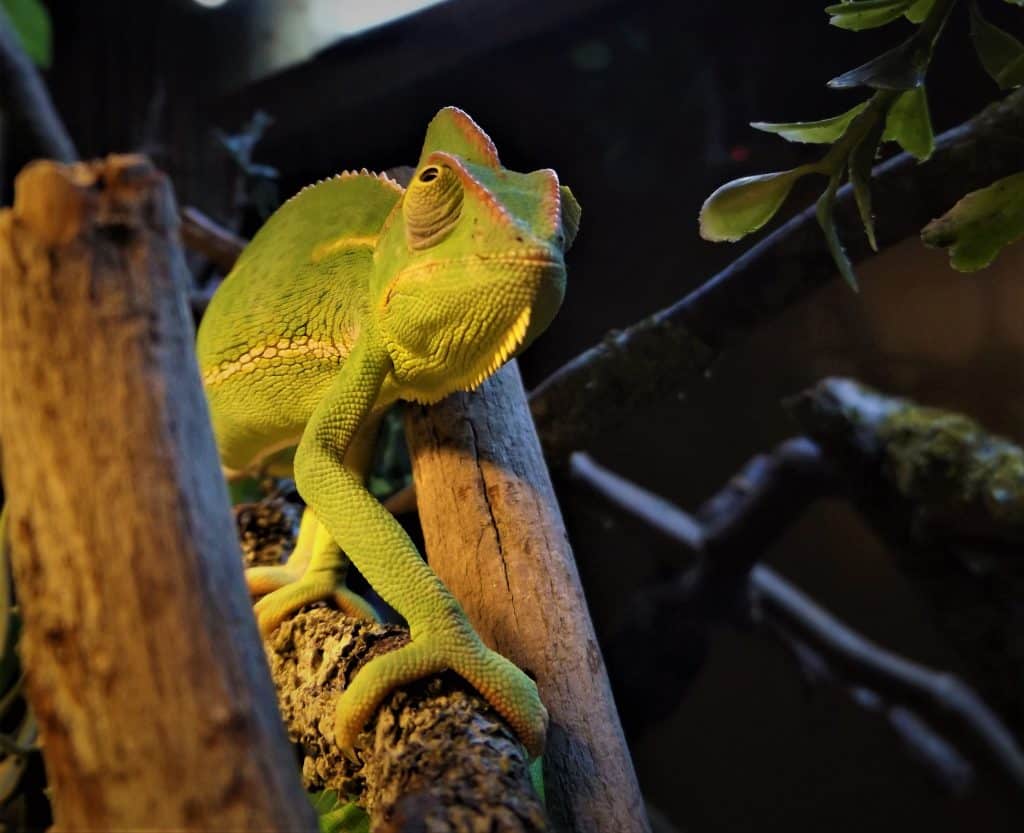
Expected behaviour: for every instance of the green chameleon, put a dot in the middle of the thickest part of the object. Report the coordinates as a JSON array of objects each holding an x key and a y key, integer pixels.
[{"x": 357, "y": 293}]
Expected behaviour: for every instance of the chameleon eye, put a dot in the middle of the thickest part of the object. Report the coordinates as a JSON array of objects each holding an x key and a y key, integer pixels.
[{"x": 432, "y": 206}]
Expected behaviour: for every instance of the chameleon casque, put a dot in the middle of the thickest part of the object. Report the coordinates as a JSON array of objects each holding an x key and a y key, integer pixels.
[{"x": 354, "y": 294}]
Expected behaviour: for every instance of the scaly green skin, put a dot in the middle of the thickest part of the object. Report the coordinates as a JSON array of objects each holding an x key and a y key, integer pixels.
[{"x": 355, "y": 294}]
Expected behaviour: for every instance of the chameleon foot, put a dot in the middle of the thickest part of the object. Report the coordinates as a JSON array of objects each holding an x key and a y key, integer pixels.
[
  {"x": 314, "y": 572},
  {"x": 511, "y": 692},
  {"x": 283, "y": 601}
]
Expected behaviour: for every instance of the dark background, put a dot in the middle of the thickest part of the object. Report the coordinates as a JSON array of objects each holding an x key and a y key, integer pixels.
[{"x": 643, "y": 108}]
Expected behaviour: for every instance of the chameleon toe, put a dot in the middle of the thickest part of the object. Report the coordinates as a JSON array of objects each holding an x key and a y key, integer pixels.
[
  {"x": 509, "y": 691},
  {"x": 275, "y": 607},
  {"x": 354, "y": 605},
  {"x": 513, "y": 695},
  {"x": 263, "y": 580},
  {"x": 374, "y": 681}
]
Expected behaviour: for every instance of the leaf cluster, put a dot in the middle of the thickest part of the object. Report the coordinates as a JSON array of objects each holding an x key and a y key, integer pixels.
[
  {"x": 896, "y": 111},
  {"x": 335, "y": 815},
  {"x": 31, "y": 23}
]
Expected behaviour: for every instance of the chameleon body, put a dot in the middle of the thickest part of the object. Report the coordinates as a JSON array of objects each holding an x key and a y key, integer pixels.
[{"x": 354, "y": 294}]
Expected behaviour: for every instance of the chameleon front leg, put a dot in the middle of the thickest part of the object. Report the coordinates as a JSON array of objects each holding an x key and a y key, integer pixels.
[{"x": 442, "y": 637}]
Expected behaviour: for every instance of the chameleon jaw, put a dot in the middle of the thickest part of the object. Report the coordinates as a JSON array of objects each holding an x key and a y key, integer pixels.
[
  {"x": 508, "y": 347},
  {"x": 458, "y": 350}
]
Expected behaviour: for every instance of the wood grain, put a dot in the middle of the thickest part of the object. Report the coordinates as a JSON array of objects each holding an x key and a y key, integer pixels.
[
  {"x": 496, "y": 537},
  {"x": 144, "y": 664}
]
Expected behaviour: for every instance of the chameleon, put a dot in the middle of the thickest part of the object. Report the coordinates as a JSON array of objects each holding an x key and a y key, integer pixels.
[{"x": 354, "y": 294}]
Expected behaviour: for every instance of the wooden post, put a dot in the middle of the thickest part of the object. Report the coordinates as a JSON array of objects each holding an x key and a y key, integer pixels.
[
  {"x": 144, "y": 666},
  {"x": 496, "y": 537}
]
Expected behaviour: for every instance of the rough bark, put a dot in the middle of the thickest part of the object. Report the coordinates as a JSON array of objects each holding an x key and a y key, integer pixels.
[
  {"x": 144, "y": 664},
  {"x": 662, "y": 355},
  {"x": 495, "y": 536},
  {"x": 436, "y": 756}
]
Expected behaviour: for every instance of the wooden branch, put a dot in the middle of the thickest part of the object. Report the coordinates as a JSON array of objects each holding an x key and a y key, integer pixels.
[
  {"x": 662, "y": 355},
  {"x": 201, "y": 234},
  {"x": 818, "y": 638},
  {"x": 143, "y": 662},
  {"x": 944, "y": 699},
  {"x": 436, "y": 756},
  {"x": 495, "y": 536},
  {"x": 930, "y": 476},
  {"x": 24, "y": 98}
]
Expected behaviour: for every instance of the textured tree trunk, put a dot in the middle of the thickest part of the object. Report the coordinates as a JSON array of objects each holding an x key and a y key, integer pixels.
[
  {"x": 144, "y": 665},
  {"x": 495, "y": 536}
]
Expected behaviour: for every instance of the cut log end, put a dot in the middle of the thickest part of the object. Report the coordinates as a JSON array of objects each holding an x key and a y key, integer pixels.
[{"x": 57, "y": 203}]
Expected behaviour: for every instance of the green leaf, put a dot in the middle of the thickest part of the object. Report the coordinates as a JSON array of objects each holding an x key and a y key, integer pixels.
[
  {"x": 744, "y": 205},
  {"x": 31, "y": 22},
  {"x": 857, "y": 15},
  {"x": 333, "y": 816},
  {"x": 826, "y": 219},
  {"x": 1000, "y": 53},
  {"x": 909, "y": 124},
  {"x": 816, "y": 132},
  {"x": 919, "y": 11},
  {"x": 901, "y": 68},
  {"x": 862, "y": 160},
  {"x": 1015, "y": 2},
  {"x": 980, "y": 224}
]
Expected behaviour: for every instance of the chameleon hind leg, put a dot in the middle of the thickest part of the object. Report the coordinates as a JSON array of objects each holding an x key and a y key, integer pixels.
[
  {"x": 315, "y": 571},
  {"x": 317, "y": 568}
]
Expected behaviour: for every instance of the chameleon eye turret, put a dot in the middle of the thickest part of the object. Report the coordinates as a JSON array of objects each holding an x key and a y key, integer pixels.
[
  {"x": 356, "y": 293},
  {"x": 432, "y": 206}
]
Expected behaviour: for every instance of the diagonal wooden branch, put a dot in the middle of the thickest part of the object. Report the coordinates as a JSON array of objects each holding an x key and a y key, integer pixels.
[
  {"x": 670, "y": 350},
  {"x": 24, "y": 98},
  {"x": 143, "y": 664},
  {"x": 776, "y": 490},
  {"x": 220, "y": 246},
  {"x": 495, "y": 536}
]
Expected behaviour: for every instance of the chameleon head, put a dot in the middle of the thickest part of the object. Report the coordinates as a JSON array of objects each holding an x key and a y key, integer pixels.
[{"x": 469, "y": 268}]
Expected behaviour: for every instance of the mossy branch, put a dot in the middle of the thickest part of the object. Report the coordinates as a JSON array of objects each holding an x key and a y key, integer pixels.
[{"x": 928, "y": 475}]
